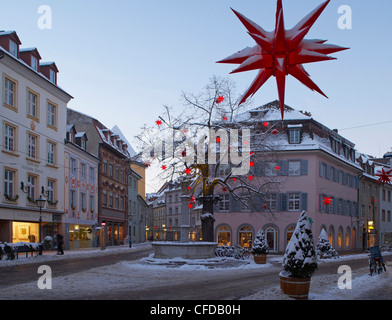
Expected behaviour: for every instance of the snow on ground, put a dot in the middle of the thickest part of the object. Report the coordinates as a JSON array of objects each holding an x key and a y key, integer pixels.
[{"x": 149, "y": 272}]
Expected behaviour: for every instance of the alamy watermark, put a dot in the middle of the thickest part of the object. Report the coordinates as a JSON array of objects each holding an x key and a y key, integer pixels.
[
  {"x": 45, "y": 19},
  {"x": 345, "y": 280},
  {"x": 345, "y": 21},
  {"x": 45, "y": 281}
]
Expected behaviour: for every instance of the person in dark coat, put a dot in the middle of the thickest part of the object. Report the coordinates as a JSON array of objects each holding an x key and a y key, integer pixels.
[{"x": 60, "y": 242}]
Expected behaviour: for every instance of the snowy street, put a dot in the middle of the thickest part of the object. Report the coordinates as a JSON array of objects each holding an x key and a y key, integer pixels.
[{"x": 116, "y": 274}]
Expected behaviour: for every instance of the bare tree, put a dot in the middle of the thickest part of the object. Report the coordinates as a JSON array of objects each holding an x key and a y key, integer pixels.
[{"x": 208, "y": 146}]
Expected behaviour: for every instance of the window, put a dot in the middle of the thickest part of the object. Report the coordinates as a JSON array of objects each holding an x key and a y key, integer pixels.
[
  {"x": 224, "y": 170},
  {"x": 389, "y": 196},
  {"x": 121, "y": 203},
  {"x": 53, "y": 76},
  {"x": 73, "y": 200},
  {"x": 13, "y": 49},
  {"x": 83, "y": 171},
  {"x": 294, "y": 168},
  {"x": 32, "y": 180},
  {"x": 52, "y": 110},
  {"x": 383, "y": 215},
  {"x": 32, "y": 146},
  {"x": 32, "y": 104},
  {"x": 111, "y": 170},
  {"x": 9, "y": 182},
  {"x": 294, "y": 201},
  {"x": 117, "y": 172},
  {"x": 9, "y": 137},
  {"x": 51, "y": 153},
  {"x": 10, "y": 93},
  {"x": 389, "y": 216},
  {"x": 73, "y": 167},
  {"x": 294, "y": 136},
  {"x": 245, "y": 205},
  {"x": 224, "y": 204},
  {"x": 51, "y": 190},
  {"x": 83, "y": 143},
  {"x": 92, "y": 203},
  {"x": 271, "y": 201},
  {"x": 116, "y": 202},
  {"x": 83, "y": 201},
  {"x": 104, "y": 198},
  {"x": 92, "y": 175},
  {"x": 110, "y": 200},
  {"x": 105, "y": 167},
  {"x": 34, "y": 63},
  {"x": 270, "y": 169},
  {"x": 383, "y": 194}
]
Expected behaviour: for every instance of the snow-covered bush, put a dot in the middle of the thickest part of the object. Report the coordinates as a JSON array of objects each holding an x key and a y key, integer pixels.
[
  {"x": 300, "y": 258},
  {"x": 260, "y": 245},
  {"x": 324, "y": 248},
  {"x": 47, "y": 244},
  {"x": 9, "y": 250}
]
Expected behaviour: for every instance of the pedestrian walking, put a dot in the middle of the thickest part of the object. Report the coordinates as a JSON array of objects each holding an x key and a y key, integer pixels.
[{"x": 60, "y": 242}]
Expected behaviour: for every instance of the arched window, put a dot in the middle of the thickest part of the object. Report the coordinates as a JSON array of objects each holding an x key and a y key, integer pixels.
[
  {"x": 348, "y": 238},
  {"x": 340, "y": 237},
  {"x": 223, "y": 235},
  {"x": 271, "y": 233},
  {"x": 331, "y": 235},
  {"x": 353, "y": 238},
  {"x": 289, "y": 233},
  {"x": 245, "y": 236}
]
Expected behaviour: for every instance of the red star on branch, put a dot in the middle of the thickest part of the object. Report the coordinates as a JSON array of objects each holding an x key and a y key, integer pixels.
[
  {"x": 281, "y": 52},
  {"x": 163, "y": 167},
  {"x": 188, "y": 170},
  {"x": 384, "y": 177},
  {"x": 219, "y": 99},
  {"x": 158, "y": 122},
  {"x": 327, "y": 201}
]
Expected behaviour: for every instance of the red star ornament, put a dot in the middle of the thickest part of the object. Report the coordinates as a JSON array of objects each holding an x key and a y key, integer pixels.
[
  {"x": 384, "y": 177},
  {"x": 219, "y": 99},
  {"x": 327, "y": 200},
  {"x": 281, "y": 52}
]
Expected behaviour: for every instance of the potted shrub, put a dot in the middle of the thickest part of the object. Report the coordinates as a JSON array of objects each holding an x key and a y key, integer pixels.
[
  {"x": 324, "y": 248},
  {"x": 299, "y": 261},
  {"x": 260, "y": 248}
]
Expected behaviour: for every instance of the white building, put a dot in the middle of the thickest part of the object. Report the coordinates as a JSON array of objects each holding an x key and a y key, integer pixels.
[{"x": 33, "y": 126}]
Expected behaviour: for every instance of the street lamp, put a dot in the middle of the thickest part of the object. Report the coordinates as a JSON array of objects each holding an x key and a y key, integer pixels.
[{"x": 40, "y": 203}]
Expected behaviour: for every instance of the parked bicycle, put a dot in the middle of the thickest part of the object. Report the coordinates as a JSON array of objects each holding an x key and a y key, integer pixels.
[
  {"x": 232, "y": 252},
  {"x": 376, "y": 261}
]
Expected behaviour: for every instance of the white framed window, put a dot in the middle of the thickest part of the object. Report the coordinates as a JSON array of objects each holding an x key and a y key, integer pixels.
[
  {"x": 32, "y": 146},
  {"x": 104, "y": 199},
  {"x": 51, "y": 153},
  {"x": 51, "y": 115},
  {"x": 294, "y": 136},
  {"x": 294, "y": 168},
  {"x": 52, "y": 76},
  {"x": 83, "y": 201},
  {"x": 73, "y": 199},
  {"x": 73, "y": 167},
  {"x": 32, "y": 180},
  {"x": 92, "y": 202},
  {"x": 270, "y": 169},
  {"x": 13, "y": 49},
  {"x": 9, "y": 137},
  {"x": 294, "y": 201},
  {"x": 10, "y": 92},
  {"x": 224, "y": 204},
  {"x": 271, "y": 201},
  {"x": 32, "y": 101},
  {"x": 83, "y": 171},
  {"x": 34, "y": 63},
  {"x": 92, "y": 175},
  {"x": 51, "y": 190},
  {"x": 9, "y": 182}
]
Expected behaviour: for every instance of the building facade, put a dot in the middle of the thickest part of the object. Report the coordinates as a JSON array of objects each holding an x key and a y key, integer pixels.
[
  {"x": 80, "y": 192},
  {"x": 33, "y": 127},
  {"x": 112, "y": 175},
  {"x": 315, "y": 171}
]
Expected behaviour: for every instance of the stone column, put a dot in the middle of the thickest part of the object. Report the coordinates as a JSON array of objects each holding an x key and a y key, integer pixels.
[{"x": 185, "y": 223}]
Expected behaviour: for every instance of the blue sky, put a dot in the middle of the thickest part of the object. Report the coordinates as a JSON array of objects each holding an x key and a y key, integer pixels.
[{"x": 123, "y": 60}]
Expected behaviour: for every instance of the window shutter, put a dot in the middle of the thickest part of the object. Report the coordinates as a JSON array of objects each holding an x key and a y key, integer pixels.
[
  {"x": 321, "y": 203},
  {"x": 284, "y": 168},
  {"x": 335, "y": 204},
  {"x": 344, "y": 178},
  {"x": 304, "y": 167},
  {"x": 234, "y": 204},
  {"x": 304, "y": 201},
  {"x": 328, "y": 175},
  {"x": 344, "y": 207},
  {"x": 283, "y": 198}
]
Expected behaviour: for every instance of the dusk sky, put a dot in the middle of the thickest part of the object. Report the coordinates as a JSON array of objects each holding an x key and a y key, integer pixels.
[{"x": 123, "y": 60}]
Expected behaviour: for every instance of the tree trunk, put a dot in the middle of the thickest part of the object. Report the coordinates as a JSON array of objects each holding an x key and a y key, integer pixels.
[{"x": 207, "y": 217}]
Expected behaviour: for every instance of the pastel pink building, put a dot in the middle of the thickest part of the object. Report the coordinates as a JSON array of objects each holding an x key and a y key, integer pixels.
[{"x": 317, "y": 172}]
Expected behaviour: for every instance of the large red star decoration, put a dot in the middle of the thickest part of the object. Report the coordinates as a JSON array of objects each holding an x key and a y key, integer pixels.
[
  {"x": 281, "y": 52},
  {"x": 384, "y": 177},
  {"x": 327, "y": 201}
]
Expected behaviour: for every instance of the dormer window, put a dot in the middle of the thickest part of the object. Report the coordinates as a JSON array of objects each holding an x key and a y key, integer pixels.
[
  {"x": 294, "y": 135},
  {"x": 83, "y": 143},
  {"x": 34, "y": 63},
  {"x": 13, "y": 49},
  {"x": 52, "y": 76}
]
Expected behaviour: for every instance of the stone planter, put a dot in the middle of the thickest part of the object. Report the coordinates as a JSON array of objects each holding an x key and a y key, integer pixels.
[
  {"x": 297, "y": 288},
  {"x": 190, "y": 250},
  {"x": 260, "y": 258}
]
